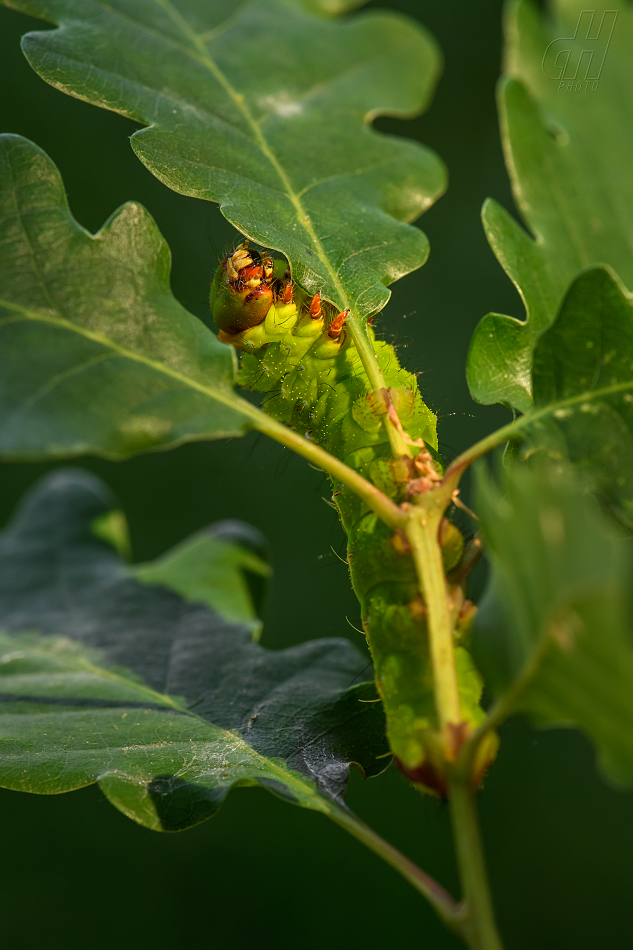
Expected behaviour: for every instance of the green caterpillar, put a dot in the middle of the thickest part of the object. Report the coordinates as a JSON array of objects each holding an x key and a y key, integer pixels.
[{"x": 297, "y": 350}]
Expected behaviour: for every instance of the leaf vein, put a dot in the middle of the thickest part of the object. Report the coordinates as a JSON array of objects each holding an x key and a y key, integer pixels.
[{"x": 50, "y": 385}]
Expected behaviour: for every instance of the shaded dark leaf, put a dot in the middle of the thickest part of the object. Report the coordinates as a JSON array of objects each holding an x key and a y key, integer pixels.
[{"x": 90, "y": 695}]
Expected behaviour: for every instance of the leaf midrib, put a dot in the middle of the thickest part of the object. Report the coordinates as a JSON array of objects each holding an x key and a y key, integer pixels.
[
  {"x": 586, "y": 396},
  {"x": 518, "y": 425},
  {"x": 287, "y": 776},
  {"x": 199, "y": 52},
  {"x": 536, "y": 414}
]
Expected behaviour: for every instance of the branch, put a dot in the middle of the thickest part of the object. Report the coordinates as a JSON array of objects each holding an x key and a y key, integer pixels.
[
  {"x": 383, "y": 506},
  {"x": 422, "y": 530},
  {"x": 368, "y": 357},
  {"x": 448, "y": 909},
  {"x": 455, "y": 471}
]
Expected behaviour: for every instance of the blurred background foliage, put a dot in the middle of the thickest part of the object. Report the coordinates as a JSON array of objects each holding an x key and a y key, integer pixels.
[{"x": 75, "y": 871}]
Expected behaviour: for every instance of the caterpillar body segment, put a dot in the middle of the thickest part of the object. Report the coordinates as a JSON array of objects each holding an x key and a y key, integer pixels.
[{"x": 301, "y": 356}]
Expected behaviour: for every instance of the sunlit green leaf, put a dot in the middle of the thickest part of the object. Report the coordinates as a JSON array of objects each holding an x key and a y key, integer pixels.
[
  {"x": 568, "y": 150},
  {"x": 583, "y": 389},
  {"x": 266, "y": 108},
  {"x": 164, "y": 702},
  {"x": 330, "y": 7},
  {"x": 96, "y": 355},
  {"x": 553, "y": 635}
]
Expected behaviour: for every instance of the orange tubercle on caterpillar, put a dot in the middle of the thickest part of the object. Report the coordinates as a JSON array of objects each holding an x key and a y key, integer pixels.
[
  {"x": 315, "y": 307},
  {"x": 336, "y": 326}
]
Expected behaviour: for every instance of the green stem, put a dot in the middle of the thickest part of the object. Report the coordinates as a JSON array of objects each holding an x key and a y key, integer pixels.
[
  {"x": 479, "y": 928},
  {"x": 444, "y": 904},
  {"x": 422, "y": 531},
  {"x": 477, "y": 924},
  {"x": 367, "y": 353},
  {"x": 456, "y": 469},
  {"x": 386, "y": 509}
]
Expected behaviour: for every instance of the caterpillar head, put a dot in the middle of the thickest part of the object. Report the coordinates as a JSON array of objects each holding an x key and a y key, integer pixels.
[
  {"x": 254, "y": 303},
  {"x": 241, "y": 292}
]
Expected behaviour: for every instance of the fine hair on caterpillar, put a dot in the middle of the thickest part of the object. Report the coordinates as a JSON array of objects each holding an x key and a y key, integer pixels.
[{"x": 297, "y": 352}]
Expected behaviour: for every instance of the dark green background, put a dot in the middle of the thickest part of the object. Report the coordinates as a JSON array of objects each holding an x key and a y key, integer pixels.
[{"x": 75, "y": 872}]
